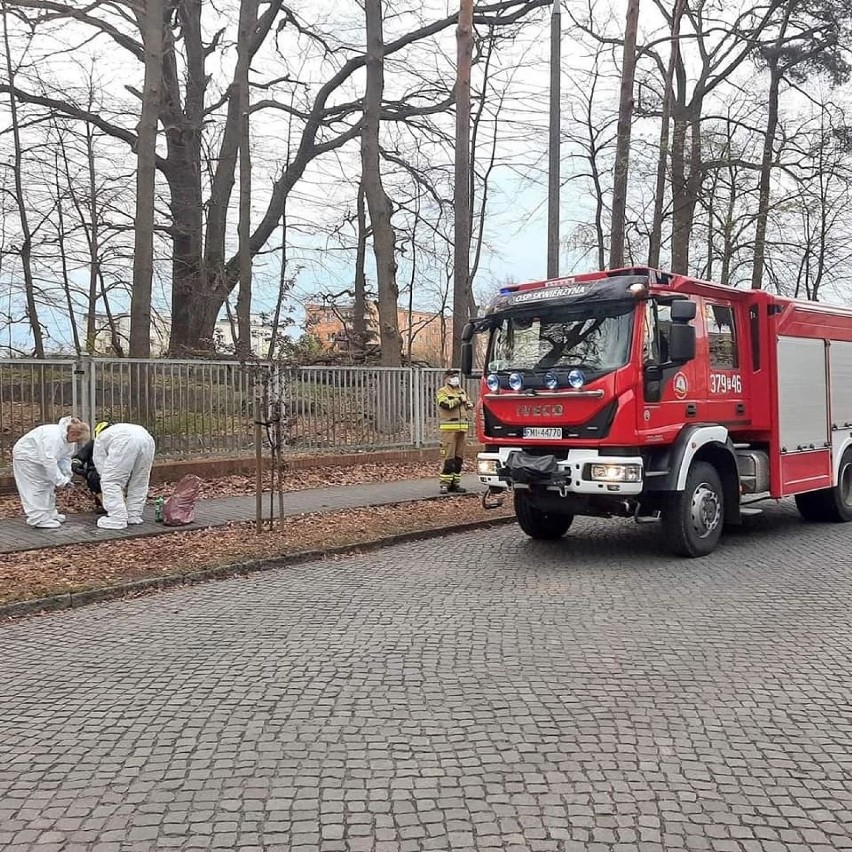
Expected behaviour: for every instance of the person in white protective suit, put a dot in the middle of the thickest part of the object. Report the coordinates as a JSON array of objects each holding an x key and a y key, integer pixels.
[
  {"x": 123, "y": 455},
  {"x": 41, "y": 462}
]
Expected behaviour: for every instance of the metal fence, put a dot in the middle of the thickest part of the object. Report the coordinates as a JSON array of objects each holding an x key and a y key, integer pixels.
[{"x": 206, "y": 408}]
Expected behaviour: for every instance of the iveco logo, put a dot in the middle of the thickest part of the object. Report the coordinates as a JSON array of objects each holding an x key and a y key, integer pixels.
[{"x": 540, "y": 410}]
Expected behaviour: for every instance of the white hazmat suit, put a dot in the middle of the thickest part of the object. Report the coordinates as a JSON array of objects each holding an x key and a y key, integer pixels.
[
  {"x": 41, "y": 462},
  {"x": 123, "y": 455}
]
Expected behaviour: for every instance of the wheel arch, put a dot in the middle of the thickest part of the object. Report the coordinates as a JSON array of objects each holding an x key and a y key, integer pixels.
[
  {"x": 669, "y": 467},
  {"x": 838, "y": 451},
  {"x": 723, "y": 459}
]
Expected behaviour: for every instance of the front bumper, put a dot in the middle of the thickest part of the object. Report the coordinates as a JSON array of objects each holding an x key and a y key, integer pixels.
[{"x": 571, "y": 475}]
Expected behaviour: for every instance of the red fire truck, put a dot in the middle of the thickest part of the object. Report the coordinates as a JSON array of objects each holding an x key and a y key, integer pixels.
[{"x": 639, "y": 393}]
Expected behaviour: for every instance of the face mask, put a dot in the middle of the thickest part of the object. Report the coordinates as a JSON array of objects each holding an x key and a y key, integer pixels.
[{"x": 453, "y": 381}]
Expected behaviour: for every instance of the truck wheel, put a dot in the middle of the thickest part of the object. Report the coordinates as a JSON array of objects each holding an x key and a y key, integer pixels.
[
  {"x": 694, "y": 517},
  {"x": 832, "y": 505},
  {"x": 542, "y": 526},
  {"x": 812, "y": 506}
]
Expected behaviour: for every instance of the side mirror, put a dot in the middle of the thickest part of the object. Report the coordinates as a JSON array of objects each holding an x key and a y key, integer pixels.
[
  {"x": 466, "y": 358},
  {"x": 683, "y": 310},
  {"x": 681, "y": 342},
  {"x": 468, "y": 333}
]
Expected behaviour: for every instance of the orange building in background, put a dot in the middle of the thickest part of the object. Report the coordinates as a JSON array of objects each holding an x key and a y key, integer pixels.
[{"x": 332, "y": 326}]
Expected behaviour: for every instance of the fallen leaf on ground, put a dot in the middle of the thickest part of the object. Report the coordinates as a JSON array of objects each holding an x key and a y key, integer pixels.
[
  {"x": 79, "y": 499},
  {"x": 38, "y": 573}
]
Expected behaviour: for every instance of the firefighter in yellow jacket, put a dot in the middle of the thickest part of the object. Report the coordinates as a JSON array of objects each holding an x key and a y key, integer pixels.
[{"x": 453, "y": 422}]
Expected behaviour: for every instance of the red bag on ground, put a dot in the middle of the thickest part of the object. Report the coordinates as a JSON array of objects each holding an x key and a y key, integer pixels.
[{"x": 179, "y": 509}]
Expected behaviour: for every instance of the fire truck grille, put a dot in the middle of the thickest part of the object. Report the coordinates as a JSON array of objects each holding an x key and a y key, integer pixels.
[{"x": 596, "y": 428}]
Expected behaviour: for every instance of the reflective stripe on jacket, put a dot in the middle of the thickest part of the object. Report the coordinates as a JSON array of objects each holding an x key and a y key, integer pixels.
[{"x": 453, "y": 414}]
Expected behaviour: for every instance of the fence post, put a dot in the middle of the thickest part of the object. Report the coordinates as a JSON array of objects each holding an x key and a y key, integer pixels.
[
  {"x": 93, "y": 390},
  {"x": 83, "y": 368},
  {"x": 412, "y": 390}
]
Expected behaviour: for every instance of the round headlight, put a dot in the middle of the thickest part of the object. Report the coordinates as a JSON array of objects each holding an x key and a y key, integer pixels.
[
  {"x": 493, "y": 382},
  {"x": 576, "y": 379},
  {"x": 516, "y": 381},
  {"x": 551, "y": 382}
]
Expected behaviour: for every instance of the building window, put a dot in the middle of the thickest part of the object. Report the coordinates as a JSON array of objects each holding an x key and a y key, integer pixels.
[{"x": 721, "y": 336}]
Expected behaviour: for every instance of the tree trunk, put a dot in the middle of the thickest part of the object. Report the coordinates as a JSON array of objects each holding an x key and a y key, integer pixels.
[
  {"x": 622, "y": 145},
  {"x": 151, "y": 26},
  {"x": 114, "y": 336},
  {"x": 765, "y": 176},
  {"x": 695, "y": 179},
  {"x": 62, "y": 236},
  {"x": 20, "y": 199},
  {"x": 283, "y": 287},
  {"x": 461, "y": 255},
  {"x": 195, "y": 307},
  {"x": 554, "y": 152},
  {"x": 656, "y": 238},
  {"x": 283, "y": 284},
  {"x": 359, "y": 310},
  {"x": 93, "y": 243},
  {"x": 248, "y": 21},
  {"x": 681, "y": 226},
  {"x": 378, "y": 203}
]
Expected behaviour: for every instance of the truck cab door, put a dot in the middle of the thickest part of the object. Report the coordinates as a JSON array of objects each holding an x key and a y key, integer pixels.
[
  {"x": 672, "y": 394},
  {"x": 723, "y": 357}
]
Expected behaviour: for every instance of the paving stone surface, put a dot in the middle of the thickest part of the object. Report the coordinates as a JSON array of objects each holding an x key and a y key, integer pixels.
[
  {"x": 16, "y": 536},
  {"x": 475, "y": 692}
]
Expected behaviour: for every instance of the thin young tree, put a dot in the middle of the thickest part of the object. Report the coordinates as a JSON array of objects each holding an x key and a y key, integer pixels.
[{"x": 622, "y": 147}]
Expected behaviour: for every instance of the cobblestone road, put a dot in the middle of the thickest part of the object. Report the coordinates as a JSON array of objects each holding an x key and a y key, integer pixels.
[{"x": 478, "y": 692}]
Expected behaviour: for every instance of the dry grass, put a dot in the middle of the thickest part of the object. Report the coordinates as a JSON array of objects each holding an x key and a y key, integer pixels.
[{"x": 38, "y": 573}]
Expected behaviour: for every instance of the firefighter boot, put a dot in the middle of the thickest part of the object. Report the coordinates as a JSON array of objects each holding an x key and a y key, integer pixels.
[
  {"x": 456, "y": 487},
  {"x": 446, "y": 478}
]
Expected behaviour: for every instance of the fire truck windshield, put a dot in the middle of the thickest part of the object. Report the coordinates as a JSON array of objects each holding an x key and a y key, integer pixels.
[{"x": 596, "y": 339}]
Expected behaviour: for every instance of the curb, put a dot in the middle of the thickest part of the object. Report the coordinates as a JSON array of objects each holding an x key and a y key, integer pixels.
[{"x": 74, "y": 600}]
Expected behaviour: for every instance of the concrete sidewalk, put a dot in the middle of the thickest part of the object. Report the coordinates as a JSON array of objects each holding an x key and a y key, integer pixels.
[{"x": 16, "y": 536}]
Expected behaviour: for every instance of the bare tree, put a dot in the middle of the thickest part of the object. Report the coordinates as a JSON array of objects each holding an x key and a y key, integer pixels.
[
  {"x": 590, "y": 140},
  {"x": 461, "y": 242},
  {"x": 20, "y": 198},
  {"x": 61, "y": 242},
  {"x": 202, "y": 275},
  {"x": 378, "y": 203},
  {"x": 150, "y": 16},
  {"x": 808, "y": 39},
  {"x": 625, "y": 123},
  {"x": 360, "y": 298},
  {"x": 247, "y": 25},
  {"x": 655, "y": 239}
]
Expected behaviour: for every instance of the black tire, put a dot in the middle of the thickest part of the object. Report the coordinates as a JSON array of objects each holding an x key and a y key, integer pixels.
[
  {"x": 831, "y": 505},
  {"x": 812, "y": 506},
  {"x": 693, "y": 518},
  {"x": 542, "y": 526}
]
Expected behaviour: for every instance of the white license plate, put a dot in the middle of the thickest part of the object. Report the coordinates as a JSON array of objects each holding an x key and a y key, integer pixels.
[{"x": 543, "y": 433}]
